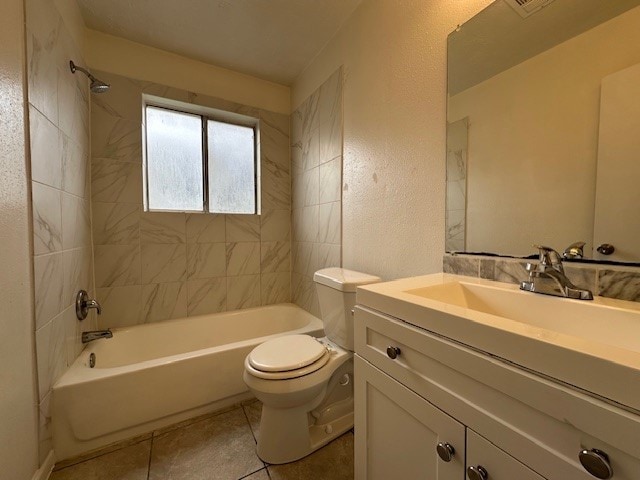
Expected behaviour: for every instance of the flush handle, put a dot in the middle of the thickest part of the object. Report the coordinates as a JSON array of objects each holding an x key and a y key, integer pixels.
[
  {"x": 393, "y": 352},
  {"x": 596, "y": 462}
]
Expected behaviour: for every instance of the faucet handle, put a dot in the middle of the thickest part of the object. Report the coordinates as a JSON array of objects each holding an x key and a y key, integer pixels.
[
  {"x": 575, "y": 250},
  {"x": 549, "y": 257}
]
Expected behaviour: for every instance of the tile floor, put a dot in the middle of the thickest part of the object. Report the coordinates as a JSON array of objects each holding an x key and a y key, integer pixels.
[{"x": 219, "y": 446}]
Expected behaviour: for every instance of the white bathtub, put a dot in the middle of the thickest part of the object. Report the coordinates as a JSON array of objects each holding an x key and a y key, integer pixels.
[{"x": 153, "y": 375}]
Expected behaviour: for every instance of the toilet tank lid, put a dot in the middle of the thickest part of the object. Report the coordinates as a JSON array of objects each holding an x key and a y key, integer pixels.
[{"x": 343, "y": 279}]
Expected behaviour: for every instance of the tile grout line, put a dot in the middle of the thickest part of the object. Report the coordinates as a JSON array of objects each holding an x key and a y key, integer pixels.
[
  {"x": 253, "y": 473},
  {"x": 150, "y": 457},
  {"x": 249, "y": 424}
]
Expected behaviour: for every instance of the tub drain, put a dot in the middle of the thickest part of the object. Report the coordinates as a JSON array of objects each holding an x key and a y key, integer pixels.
[{"x": 92, "y": 360}]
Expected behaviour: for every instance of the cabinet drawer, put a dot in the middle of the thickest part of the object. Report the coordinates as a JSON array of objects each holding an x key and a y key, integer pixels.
[
  {"x": 540, "y": 422},
  {"x": 498, "y": 464}
]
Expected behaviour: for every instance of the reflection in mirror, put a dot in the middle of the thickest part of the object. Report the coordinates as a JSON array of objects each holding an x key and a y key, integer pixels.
[{"x": 542, "y": 110}]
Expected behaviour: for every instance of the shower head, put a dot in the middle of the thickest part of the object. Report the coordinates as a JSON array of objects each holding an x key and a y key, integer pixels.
[{"x": 96, "y": 86}]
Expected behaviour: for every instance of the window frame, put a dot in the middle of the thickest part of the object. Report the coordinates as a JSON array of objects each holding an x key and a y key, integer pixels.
[{"x": 205, "y": 115}]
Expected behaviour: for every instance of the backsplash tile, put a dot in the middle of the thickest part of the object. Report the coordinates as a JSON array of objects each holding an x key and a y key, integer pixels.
[
  {"x": 461, "y": 266},
  {"x": 621, "y": 283},
  {"x": 624, "y": 285}
]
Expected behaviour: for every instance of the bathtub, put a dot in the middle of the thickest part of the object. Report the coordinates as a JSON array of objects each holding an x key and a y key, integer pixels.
[{"x": 150, "y": 376}]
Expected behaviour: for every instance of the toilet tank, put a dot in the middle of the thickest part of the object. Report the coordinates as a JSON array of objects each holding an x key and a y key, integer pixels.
[{"x": 336, "y": 289}]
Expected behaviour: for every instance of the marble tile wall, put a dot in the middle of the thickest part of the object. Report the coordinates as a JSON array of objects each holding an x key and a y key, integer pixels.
[
  {"x": 316, "y": 162},
  {"x": 618, "y": 282},
  {"x": 455, "y": 213},
  {"x": 59, "y": 145},
  {"x": 151, "y": 267}
]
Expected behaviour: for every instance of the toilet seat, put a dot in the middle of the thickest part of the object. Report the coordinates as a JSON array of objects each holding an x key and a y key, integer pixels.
[{"x": 287, "y": 357}]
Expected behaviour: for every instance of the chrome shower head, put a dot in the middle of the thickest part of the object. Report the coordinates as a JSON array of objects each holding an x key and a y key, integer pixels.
[{"x": 96, "y": 86}]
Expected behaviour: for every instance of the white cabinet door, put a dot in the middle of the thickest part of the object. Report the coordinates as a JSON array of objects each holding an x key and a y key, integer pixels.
[
  {"x": 397, "y": 431},
  {"x": 481, "y": 454}
]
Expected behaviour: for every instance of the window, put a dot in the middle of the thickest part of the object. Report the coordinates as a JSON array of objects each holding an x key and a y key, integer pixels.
[{"x": 199, "y": 162}]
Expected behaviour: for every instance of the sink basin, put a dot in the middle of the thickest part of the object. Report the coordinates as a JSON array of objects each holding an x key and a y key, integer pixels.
[
  {"x": 616, "y": 327},
  {"x": 592, "y": 346}
]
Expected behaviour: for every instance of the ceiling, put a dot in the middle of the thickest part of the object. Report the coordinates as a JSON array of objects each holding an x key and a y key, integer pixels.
[
  {"x": 270, "y": 39},
  {"x": 498, "y": 38}
]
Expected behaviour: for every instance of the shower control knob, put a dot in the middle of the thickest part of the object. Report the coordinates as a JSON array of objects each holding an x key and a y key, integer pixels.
[
  {"x": 445, "y": 451},
  {"x": 477, "y": 473},
  {"x": 596, "y": 462},
  {"x": 393, "y": 352}
]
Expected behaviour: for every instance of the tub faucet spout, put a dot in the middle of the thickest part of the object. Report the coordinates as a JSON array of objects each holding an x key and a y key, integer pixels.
[{"x": 95, "y": 335}]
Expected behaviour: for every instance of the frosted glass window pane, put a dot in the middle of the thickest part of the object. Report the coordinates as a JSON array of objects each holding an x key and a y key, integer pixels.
[
  {"x": 174, "y": 160},
  {"x": 231, "y": 168}
]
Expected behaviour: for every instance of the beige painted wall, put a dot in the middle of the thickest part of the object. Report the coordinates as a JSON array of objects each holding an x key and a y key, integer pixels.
[
  {"x": 394, "y": 57},
  {"x": 18, "y": 434},
  {"x": 140, "y": 62},
  {"x": 545, "y": 113}
]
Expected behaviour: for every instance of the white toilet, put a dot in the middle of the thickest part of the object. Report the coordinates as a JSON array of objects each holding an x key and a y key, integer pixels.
[{"x": 306, "y": 384}]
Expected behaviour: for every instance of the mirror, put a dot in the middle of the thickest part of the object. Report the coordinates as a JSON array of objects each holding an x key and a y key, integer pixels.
[{"x": 543, "y": 129}]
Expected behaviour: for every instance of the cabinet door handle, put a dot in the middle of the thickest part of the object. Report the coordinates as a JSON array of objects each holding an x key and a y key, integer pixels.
[
  {"x": 445, "y": 451},
  {"x": 393, "y": 352},
  {"x": 596, "y": 462},
  {"x": 477, "y": 473}
]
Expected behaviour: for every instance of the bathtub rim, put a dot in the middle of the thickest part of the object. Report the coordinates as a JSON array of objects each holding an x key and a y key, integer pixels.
[{"x": 80, "y": 372}]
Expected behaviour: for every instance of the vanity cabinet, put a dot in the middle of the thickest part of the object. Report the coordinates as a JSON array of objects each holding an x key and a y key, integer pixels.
[
  {"x": 495, "y": 415},
  {"x": 403, "y": 431}
]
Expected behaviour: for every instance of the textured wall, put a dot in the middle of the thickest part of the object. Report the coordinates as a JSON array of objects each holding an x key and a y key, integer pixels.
[
  {"x": 156, "y": 266},
  {"x": 59, "y": 138},
  {"x": 316, "y": 159},
  {"x": 394, "y": 95},
  {"x": 18, "y": 397}
]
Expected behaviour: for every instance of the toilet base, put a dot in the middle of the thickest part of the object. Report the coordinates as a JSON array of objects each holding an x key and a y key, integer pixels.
[{"x": 286, "y": 436}]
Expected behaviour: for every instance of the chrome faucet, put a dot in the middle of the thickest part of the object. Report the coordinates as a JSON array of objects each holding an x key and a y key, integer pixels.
[
  {"x": 548, "y": 277},
  {"x": 84, "y": 303},
  {"x": 575, "y": 250},
  {"x": 95, "y": 335}
]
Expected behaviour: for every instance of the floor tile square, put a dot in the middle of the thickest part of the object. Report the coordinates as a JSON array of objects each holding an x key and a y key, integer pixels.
[
  {"x": 129, "y": 463},
  {"x": 221, "y": 447},
  {"x": 332, "y": 462}
]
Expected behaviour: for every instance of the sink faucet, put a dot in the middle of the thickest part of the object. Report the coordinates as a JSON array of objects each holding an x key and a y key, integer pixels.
[
  {"x": 548, "y": 277},
  {"x": 95, "y": 335}
]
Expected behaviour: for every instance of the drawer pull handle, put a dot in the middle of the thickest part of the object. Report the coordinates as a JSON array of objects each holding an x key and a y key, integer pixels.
[
  {"x": 477, "y": 473},
  {"x": 445, "y": 451},
  {"x": 596, "y": 462},
  {"x": 393, "y": 352}
]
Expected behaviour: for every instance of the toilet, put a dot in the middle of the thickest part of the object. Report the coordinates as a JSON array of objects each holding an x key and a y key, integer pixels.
[{"x": 305, "y": 384}]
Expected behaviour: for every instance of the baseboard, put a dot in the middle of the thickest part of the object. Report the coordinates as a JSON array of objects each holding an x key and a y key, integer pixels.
[{"x": 45, "y": 469}]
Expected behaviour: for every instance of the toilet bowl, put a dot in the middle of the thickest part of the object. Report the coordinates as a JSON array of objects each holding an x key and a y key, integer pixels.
[{"x": 305, "y": 384}]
